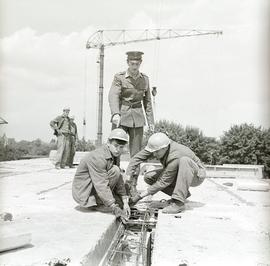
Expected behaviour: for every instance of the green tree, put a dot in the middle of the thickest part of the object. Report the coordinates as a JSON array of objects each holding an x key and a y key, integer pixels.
[
  {"x": 246, "y": 144},
  {"x": 83, "y": 145}
]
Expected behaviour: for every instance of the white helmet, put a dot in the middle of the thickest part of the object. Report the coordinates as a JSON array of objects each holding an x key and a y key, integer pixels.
[
  {"x": 157, "y": 142},
  {"x": 66, "y": 108},
  {"x": 119, "y": 134}
]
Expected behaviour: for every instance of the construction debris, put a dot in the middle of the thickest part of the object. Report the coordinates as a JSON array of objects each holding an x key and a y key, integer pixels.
[{"x": 6, "y": 216}]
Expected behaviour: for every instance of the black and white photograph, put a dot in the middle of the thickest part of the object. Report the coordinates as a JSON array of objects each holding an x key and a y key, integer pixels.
[{"x": 134, "y": 133}]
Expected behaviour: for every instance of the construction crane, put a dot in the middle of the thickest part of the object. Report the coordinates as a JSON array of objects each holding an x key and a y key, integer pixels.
[{"x": 106, "y": 38}]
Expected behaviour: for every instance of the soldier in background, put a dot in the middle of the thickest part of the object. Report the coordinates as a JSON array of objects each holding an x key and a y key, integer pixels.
[
  {"x": 73, "y": 140},
  {"x": 61, "y": 127},
  {"x": 129, "y": 94}
]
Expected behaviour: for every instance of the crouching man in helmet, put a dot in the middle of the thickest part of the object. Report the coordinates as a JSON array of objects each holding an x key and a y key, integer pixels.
[
  {"x": 181, "y": 169},
  {"x": 98, "y": 183}
]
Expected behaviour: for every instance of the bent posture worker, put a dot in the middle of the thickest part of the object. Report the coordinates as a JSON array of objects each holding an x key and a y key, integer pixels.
[
  {"x": 98, "y": 182},
  {"x": 181, "y": 169}
]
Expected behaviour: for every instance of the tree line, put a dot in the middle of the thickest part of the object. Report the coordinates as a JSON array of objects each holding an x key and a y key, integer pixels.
[
  {"x": 10, "y": 149},
  {"x": 241, "y": 144}
]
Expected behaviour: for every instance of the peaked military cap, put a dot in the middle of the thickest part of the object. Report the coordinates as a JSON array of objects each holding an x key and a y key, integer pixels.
[{"x": 134, "y": 55}]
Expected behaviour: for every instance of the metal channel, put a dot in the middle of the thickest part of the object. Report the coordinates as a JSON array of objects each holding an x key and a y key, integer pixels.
[{"x": 133, "y": 242}]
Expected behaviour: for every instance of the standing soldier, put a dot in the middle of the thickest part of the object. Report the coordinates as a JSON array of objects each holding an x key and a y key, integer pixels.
[
  {"x": 129, "y": 94},
  {"x": 73, "y": 140},
  {"x": 61, "y": 127}
]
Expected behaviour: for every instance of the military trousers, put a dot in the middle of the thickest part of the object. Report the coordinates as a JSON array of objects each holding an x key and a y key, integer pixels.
[
  {"x": 63, "y": 150},
  {"x": 72, "y": 150},
  {"x": 188, "y": 175}
]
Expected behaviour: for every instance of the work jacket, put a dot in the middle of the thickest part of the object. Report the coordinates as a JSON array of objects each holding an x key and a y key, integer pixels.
[
  {"x": 170, "y": 163},
  {"x": 92, "y": 177},
  {"x": 128, "y": 96},
  {"x": 57, "y": 123}
]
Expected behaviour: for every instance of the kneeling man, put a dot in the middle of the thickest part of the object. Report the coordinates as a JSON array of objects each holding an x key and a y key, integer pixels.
[
  {"x": 181, "y": 169},
  {"x": 98, "y": 182}
]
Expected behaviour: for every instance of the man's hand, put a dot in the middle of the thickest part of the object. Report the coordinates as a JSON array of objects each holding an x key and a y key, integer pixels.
[
  {"x": 135, "y": 199},
  {"x": 152, "y": 127},
  {"x": 126, "y": 177},
  {"x": 126, "y": 206},
  {"x": 59, "y": 132},
  {"x": 116, "y": 120},
  {"x": 119, "y": 214}
]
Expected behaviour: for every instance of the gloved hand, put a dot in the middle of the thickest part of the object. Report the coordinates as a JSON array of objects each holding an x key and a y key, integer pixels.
[
  {"x": 116, "y": 120},
  {"x": 119, "y": 214},
  {"x": 135, "y": 199}
]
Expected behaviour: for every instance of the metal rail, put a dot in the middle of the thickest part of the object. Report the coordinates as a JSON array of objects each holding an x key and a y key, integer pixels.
[{"x": 129, "y": 245}]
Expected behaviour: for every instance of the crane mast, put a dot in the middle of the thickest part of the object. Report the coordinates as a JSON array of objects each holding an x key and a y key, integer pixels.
[{"x": 105, "y": 38}]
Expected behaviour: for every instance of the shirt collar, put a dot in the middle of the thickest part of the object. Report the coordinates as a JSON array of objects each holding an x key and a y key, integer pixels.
[
  {"x": 107, "y": 152},
  {"x": 165, "y": 157},
  {"x": 129, "y": 75}
]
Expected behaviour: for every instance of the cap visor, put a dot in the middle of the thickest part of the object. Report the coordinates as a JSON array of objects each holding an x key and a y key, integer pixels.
[
  {"x": 149, "y": 149},
  {"x": 120, "y": 139}
]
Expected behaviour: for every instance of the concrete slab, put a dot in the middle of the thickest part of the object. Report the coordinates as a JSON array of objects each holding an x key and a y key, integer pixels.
[
  {"x": 39, "y": 198},
  {"x": 221, "y": 226}
]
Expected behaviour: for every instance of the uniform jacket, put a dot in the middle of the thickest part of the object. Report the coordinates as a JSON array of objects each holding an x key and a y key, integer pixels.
[
  {"x": 170, "y": 164},
  {"x": 57, "y": 123},
  {"x": 125, "y": 97},
  {"x": 92, "y": 176},
  {"x": 73, "y": 124}
]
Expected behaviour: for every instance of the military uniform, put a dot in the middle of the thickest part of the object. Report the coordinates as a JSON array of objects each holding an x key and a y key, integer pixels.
[
  {"x": 181, "y": 168},
  {"x": 98, "y": 179},
  {"x": 62, "y": 123},
  {"x": 128, "y": 97}
]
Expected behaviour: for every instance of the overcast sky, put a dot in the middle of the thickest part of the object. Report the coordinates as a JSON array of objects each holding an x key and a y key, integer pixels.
[{"x": 208, "y": 82}]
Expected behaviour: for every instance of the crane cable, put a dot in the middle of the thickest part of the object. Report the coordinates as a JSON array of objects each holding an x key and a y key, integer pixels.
[
  {"x": 84, "y": 94},
  {"x": 157, "y": 52}
]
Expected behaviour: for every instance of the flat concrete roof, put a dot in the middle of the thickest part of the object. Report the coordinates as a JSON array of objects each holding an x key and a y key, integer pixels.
[{"x": 221, "y": 225}]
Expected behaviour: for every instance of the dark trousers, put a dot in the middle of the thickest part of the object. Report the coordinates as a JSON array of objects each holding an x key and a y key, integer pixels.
[
  {"x": 63, "y": 150},
  {"x": 72, "y": 150}
]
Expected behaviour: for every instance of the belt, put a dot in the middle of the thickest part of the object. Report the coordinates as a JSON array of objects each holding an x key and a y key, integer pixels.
[{"x": 132, "y": 105}]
